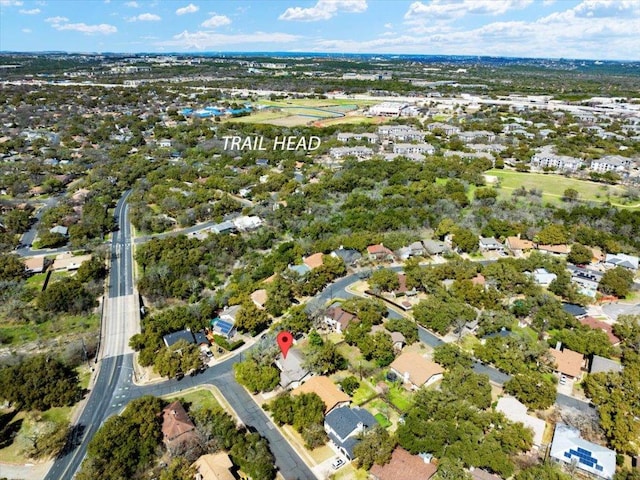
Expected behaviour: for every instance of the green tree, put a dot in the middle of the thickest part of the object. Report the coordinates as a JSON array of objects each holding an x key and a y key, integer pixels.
[
  {"x": 375, "y": 446},
  {"x": 384, "y": 280},
  {"x": 552, "y": 234},
  {"x": 450, "y": 356},
  {"x": 570, "y": 195},
  {"x": 39, "y": 383},
  {"x": 252, "y": 454},
  {"x": 533, "y": 389},
  {"x": 465, "y": 240},
  {"x": 256, "y": 377},
  {"x": 350, "y": 385},
  {"x": 405, "y": 326},
  {"x": 465, "y": 383},
  {"x": 279, "y": 296},
  {"x": 579, "y": 254},
  {"x": 542, "y": 472},
  {"x": 11, "y": 268},
  {"x": 179, "y": 469},
  {"x": 251, "y": 319},
  {"x": 17, "y": 221},
  {"x": 616, "y": 281},
  {"x": 66, "y": 296}
]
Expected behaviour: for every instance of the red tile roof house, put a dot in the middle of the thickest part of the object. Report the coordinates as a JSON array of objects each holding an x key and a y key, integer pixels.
[
  {"x": 177, "y": 427},
  {"x": 380, "y": 253},
  {"x": 403, "y": 466}
]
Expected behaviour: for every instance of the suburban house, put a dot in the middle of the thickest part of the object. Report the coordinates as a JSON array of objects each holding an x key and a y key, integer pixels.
[
  {"x": 337, "y": 318},
  {"x": 197, "y": 338},
  {"x": 586, "y": 280},
  {"x": 344, "y": 424},
  {"x": 224, "y": 323},
  {"x": 567, "y": 362},
  {"x": 330, "y": 394},
  {"x": 415, "y": 249},
  {"x": 313, "y": 261},
  {"x": 177, "y": 427},
  {"x": 415, "y": 370},
  {"x": 405, "y": 148},
  {"x": 518, "y": 245},
  {"x": 60, "y": 230},
  {"x": 164, "y": 143},
  {"x": 542, "y": 277},
  {"x": 516, "y": 411},
  {"x": 557, "y": 250},
  {"x": 259, "y": 298},
  {"x": 34, "y": 264},
  {"x": 575, "y": 310},
  {"x": 490, "y": 244},
  {"x": 570, "y": 448},
  {"x": 397, "y": 338},
  {"x": 292, "y": 373},
  {"x": 629, "y": 262},
  {"x": 348, "y": 255},
  {"x": 69, "y": 262},
  {"x": 403, "y": 465},
  {"x": 300, "y": 270},
  {"x": 224, "y": 227},
  {"x": 600, "y": 325},
  {"x": 603, "y": 365},
  {"x": 388, "y": 109},
  {"x": 435, "y": 247},
  {"x": 379, "y": 252},
  {"x": 214, "y": 466},
  {"x": 246, "y": 224}
]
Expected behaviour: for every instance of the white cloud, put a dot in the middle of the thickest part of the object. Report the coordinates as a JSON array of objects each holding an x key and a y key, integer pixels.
[
  {"x": 216, "y": 21},
  {"x": 388, "y": 25},
  {"x": 592, "y": 30},
  {"x": 103, "y": 28},
  {"x": 11, "y": 3},
  {"x": 547, "y": 3},
  {"x": 323, "y": 10},
  {"x": 201, "y": 40},
  {"x": 191, "y": 8},
  {"x": 451, "y": 9},
  {"x": 132, "y": 4},
  {"x": 56, "y": 20},
  {"x": 26, "y": 30},
  {"x": 145, "y": 17},
  {"x": 33, "y": 11}
]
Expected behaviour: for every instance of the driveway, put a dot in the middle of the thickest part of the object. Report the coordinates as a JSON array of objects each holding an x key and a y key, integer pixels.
[{"x": 616, "y": 309}]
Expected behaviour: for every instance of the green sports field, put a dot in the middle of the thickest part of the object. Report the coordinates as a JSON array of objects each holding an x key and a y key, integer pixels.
[{"x": 553, "y": 187}]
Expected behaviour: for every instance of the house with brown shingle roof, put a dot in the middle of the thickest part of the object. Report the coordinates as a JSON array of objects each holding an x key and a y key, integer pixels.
[
  {"x": 34, "y": 264},
  {"x": 403, "y": 465},
  {"x": 214, "y": 466},
  {"x": 568, "y": 362},
  {"x": 313, "y": 261},
  {"x": 415, "y": 370},
  {"x": 177, "y": 427},
  {"x": 330, "y": 394},
  {"x": 557, "y": 250},
  {"x": 259, "y": 298},
  {"x": 518, "y": 245},
  {"x": 337, "y": 318},
  {"x": 480, "y": 474}
]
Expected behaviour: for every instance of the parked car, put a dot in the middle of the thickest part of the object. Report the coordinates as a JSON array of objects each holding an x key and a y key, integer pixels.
[{"x": 337, "y": 463}]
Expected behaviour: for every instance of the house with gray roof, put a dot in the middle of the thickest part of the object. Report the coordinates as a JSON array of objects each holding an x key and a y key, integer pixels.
[
  {"x": 292, "y": 373},
  {"x": 224, "y": 227},
  {"x": 348, "y": 255},
  {"x": 490, "y": 244},
  {"x": 344, "y": 424},
  {"x": 435, "y": 247},
  {"x": 604, "y": 365},
  {"x": 569, "y": 448},
  {"x": 622, "y": 260}
]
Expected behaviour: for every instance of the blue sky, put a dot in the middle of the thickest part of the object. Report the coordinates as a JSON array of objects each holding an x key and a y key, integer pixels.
[{"x": 594, "y": 29}]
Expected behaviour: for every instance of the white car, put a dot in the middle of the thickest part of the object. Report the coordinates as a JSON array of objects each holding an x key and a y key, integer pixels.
[{"x": 337, "y": 463}]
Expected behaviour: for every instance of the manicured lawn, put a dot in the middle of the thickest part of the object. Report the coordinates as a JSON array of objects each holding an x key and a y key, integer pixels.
[
  {"x": 363, "y": 394},
  {"x": 400, "y": 398},
  {"x": 349, "y": 472},
  {"x": 553, "y": 187},
  {"x": 382, "y": 420},
  {"x": 36, "y": 280},
  {"x": 199, "y": 398}
]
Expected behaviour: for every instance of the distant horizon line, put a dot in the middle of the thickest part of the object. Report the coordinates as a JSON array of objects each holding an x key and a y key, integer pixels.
[{"x": 210, "y": 53}]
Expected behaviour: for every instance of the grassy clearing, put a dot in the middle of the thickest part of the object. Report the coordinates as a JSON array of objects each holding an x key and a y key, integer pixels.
[
  {"x": 400, "y": 398},
  {"x": 363, "y": 394},
  {"x": 382, "y": 420},
  {"x": 553, "y": 187},
  {"x": 198, "y": 398},
  {"x": 67, "y": 325},
  {"x": 349, "y": 472},
  {"x": 314, "y": 102}
]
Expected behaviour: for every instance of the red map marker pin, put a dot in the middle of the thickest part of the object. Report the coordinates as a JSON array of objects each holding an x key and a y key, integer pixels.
[{"x": 285, "y": 340}]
